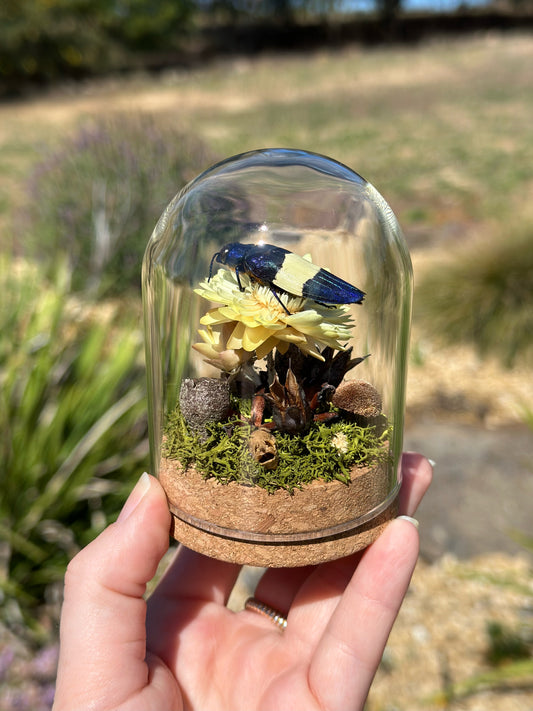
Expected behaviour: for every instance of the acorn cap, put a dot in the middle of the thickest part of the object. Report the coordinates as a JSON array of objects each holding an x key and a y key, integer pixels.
[{"x": 358, "y": 397}]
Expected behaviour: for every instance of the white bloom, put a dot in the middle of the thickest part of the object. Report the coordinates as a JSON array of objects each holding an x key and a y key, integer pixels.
[{"x": 340, "y": 442}]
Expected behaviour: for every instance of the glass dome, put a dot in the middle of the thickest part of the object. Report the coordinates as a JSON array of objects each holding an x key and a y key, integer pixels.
[{"x": 277, "y": 301}]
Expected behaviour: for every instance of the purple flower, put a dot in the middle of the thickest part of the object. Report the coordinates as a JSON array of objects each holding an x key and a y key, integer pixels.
[
  {"x": 6, "y": 658},
  {"x": 48, "y": 693},
  {"x": 45, "y": 663}
]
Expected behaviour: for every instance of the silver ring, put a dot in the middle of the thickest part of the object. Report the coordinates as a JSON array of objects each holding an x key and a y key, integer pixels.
[{"x": 272, "y": 614}]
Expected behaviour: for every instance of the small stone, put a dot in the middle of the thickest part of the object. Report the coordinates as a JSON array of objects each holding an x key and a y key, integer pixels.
[
  {"x": 358, "y": 397},
  {"x": 204, "y": 400}
]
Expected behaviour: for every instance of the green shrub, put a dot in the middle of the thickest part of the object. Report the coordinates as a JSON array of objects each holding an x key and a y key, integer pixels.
[
  {"x": 43, "y": 40},
  {"x": 98, "y": 197},
  {"x": 72, "y": 417},
  {"x": 506, "y": 644},
  {"x": 484, "y": 296}
]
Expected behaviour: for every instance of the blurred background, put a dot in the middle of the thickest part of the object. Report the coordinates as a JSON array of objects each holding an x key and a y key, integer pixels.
[{"x": 106, "y": 110}]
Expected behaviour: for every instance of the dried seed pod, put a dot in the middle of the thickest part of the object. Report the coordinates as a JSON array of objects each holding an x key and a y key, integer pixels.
[
  {"x": 204, "y": 400},
  {"x": 262, "y": 446},
  {"x": 358, "y": 397},
  {"x": 290, "y": 410}
]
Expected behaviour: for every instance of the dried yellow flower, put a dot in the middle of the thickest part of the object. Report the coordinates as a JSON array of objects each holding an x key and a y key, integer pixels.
[{"x": 253, "y": 322}]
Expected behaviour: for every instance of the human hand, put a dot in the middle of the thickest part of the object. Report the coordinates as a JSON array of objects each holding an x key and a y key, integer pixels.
[{"x": 184, "y": 649}]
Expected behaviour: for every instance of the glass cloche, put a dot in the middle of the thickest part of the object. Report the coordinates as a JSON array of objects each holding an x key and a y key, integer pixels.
[{"x": 277, "y": 299}]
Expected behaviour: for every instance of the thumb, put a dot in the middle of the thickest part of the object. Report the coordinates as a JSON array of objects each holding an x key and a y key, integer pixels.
[{"x": 103, "y": 635}]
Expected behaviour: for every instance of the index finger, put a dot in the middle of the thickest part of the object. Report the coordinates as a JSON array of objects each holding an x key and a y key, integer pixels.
[
  {"x": 278, "y": 586},
  {"x": 352, "y": 644}
]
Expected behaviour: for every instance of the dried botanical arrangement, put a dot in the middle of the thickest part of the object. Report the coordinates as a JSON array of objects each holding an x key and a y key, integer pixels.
[{"x": 282, "y": 412}]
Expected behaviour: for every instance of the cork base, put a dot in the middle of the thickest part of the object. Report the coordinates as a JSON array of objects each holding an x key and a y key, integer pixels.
[
  {"x": 282, "y": 555},
  {"x": 247, "y": 525}
]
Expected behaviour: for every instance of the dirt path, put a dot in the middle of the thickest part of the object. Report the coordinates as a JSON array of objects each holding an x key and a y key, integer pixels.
[{"x": 482, "y": 492}]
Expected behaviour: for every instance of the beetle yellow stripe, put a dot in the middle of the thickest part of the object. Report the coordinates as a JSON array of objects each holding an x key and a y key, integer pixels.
[{"x": 293, "y": 273}]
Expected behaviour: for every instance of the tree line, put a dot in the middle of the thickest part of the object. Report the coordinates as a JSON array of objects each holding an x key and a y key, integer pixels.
[{"x": 45, "y": 40}]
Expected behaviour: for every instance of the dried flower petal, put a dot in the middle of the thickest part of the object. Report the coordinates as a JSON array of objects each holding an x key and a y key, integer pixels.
[{"x": 216, "y": 352}]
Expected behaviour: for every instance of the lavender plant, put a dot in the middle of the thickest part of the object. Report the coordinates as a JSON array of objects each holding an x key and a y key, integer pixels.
[{"x": 96, "y": 197}]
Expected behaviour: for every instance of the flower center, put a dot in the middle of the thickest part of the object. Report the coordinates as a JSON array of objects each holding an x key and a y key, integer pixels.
[{"x": 264, "y": 298}]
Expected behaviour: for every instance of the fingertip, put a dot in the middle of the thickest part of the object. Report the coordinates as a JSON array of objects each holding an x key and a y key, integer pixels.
[
  {"x": 146, "y": 526},
  {"x": 129, "y": 550},
  {"x": 404, "y": 525},
  {"x": 410, "y": 519},
  {"x": 139, "y": 491},
  {"x": 417, "y": 474},
  {"x": 104, "y": 612},
  {"x": 146, "y": 510},
  {"x": 154, "y": 501},
  {"x": 409, "y": 533},
  {"x": 414, "y": 462},
  {"x": 397, "y": 546},
  {"x": 403, "y": 531}
]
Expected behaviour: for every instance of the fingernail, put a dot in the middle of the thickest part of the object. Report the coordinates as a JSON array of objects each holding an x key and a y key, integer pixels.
[
  {"x": 432, "y": 462},
  {"x": 410, "y": 519},
  {"x": 135, "y": 498}
]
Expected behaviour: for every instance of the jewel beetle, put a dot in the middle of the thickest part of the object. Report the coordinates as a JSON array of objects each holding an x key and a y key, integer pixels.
[{"x": 283, "y": 270}]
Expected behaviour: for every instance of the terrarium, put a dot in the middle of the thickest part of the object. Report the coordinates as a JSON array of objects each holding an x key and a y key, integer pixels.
[{"x": 277, "y": 303}]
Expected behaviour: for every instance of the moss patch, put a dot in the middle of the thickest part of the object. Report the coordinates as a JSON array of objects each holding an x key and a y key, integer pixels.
[{"x": 326, "y": 452}]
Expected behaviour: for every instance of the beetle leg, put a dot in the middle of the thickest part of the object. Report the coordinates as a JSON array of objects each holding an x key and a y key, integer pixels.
[
  {"x": 279, "y": 300},
  {"x": 237, "y": 272}
]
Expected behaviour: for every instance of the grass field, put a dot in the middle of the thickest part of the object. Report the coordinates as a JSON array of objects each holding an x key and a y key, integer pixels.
[{"x": 444, "y": 130}]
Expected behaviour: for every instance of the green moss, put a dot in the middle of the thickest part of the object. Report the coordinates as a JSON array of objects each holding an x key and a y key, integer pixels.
[{"x": 302, "y": 459}]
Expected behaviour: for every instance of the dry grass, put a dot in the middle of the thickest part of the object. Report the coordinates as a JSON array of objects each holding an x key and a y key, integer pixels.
[
  {"x": 444, "y": 131},
  {"x": 435, "y": 127}
]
